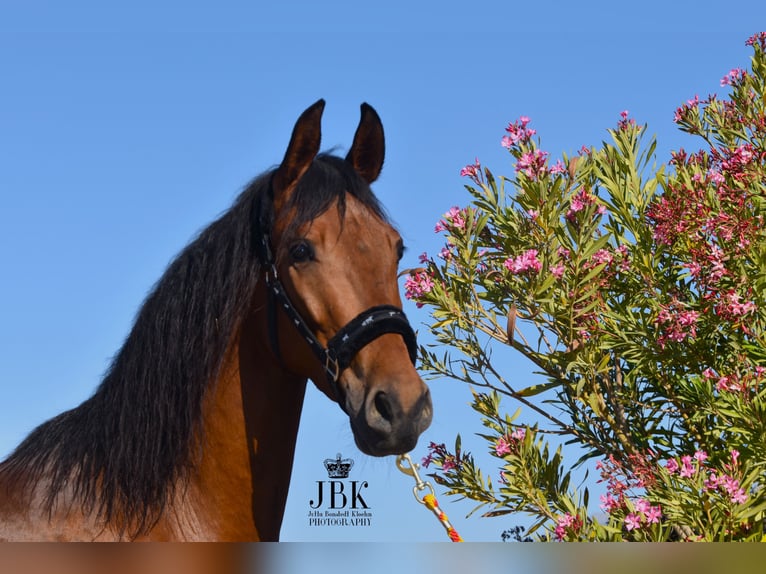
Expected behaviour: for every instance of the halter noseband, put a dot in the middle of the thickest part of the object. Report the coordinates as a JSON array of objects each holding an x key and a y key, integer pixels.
[{"x": 348, "y": 341}]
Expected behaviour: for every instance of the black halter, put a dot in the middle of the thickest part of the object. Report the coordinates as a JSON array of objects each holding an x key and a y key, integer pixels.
[{"x": 348, "y": 341}]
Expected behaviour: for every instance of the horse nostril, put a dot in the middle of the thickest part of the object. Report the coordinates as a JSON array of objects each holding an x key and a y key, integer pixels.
[{"x": 383, "y": 406}]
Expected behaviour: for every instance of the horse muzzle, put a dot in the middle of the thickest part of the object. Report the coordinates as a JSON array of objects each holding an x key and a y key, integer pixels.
[{"x": 384, "y": 426}]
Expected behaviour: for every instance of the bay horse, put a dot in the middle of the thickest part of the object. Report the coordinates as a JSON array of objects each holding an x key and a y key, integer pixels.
[{"x": 191, "y": 433}]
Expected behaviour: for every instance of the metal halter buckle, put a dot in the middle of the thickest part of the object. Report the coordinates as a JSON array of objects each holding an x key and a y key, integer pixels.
[{"x": 331, "y": 365}]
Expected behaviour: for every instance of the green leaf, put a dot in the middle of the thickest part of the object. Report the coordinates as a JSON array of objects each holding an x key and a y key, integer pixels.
[{"x": 533, "y": 390}]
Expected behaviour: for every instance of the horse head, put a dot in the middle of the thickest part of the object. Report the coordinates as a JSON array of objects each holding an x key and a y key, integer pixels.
[{"x": 330, "y": 260}]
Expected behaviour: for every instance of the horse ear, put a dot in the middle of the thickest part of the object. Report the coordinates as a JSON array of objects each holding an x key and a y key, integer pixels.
[
  {"x": 302, "y": 149},
  {"x": 369, "y": 147}
]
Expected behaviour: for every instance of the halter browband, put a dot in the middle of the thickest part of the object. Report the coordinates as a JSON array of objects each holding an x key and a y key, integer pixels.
[{"x": 348, "y": 341}]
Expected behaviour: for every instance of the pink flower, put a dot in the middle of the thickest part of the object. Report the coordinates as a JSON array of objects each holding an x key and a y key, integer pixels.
[
  {"x": 557, "y": 168},
  {"x": 676, "y": 325},
  {"x": 758, "y": 39},
  {"x": 723, "y": 384},
  {"x": 648, "y": 512},
  {"x": 729, "y": 484},
  {"x": 624, "y": 122},
  {"x": 716, "y": 177},
  {"x": 517, "y": 133},
  {"x": 524, "y": 262},
  {"x": 502, "y": 447},
  {"x": 684, "y": 110},
  {"x": 712, "y": 481},
  {"x": 579, "y": 202},
  {"x": 642, "y": 505},
  {"x": 632, "y": 521},
  {"x": 602, "y": 257},
  {"x": 557, "y": 271},
  {"x": 700, "y": 456},
  {"x": 608, "y": 503},
  {"x": 731, "y": 78},
  {"x": 454, "y": 218},
  {"x": 566, "y": 522},
  {"x": 519, "y": 434},
  {"x": 471, "y": 170},
  {"x": 731, "y": 306},
  {"x": 687, "y": 470},
  {"x": 532, "y": 163},
  {"x": 653, "y": 514},
  {"x": 417, "y": 285},
  {"x": 688, "y": 318},
  {"x": 672, "y": 466},
  {"x": 739, "y": 497}
]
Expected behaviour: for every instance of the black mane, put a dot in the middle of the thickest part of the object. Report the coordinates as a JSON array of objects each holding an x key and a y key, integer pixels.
[{"x": 124, "y": 449}]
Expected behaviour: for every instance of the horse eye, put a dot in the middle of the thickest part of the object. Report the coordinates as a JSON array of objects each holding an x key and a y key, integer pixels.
[
  {"x": 301, "y": 252},
  {"x": 400, "y": 250}
]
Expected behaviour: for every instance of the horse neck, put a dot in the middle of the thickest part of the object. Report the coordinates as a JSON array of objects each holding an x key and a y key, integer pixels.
[{"x": 250, "y": 429}]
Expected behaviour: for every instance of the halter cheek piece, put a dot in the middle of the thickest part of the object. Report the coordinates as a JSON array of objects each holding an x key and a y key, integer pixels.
[{"x": 348, "y": 341}]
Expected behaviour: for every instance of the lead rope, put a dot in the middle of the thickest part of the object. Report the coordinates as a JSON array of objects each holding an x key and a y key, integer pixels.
[{"x": 405, "y": 464}]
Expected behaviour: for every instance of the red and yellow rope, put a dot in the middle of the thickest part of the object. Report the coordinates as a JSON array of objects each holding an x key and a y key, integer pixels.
[
  {"x": 431, "y": 504},
  {"x": 429, "y": 499}
]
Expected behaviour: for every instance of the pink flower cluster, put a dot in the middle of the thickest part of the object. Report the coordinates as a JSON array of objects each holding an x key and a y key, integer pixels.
[
  {"x": 737, "y": 162},
  {"x": 733, "y": 77},
  {"x": 580, "y": 201},
  {"x": 676, "y": 323},
  {"x": 731, "y": 306},
  {"x": 418, "y": 284},
  {"x": 602, "y": 257},
  {"x": 517, "y": 133},
  {"x": 709, "y": 218},
  {"x": 507, "y": 444},
  {"x": 471, "y": 170},
  {"x": 620, "y": 480},
  {"x": 689, "y": 466},
  {"x": 736, "y": 382},
  {"x": 758, "y": 39},
  {"x": 527, "y": 261},
  {"x": 645, "y": 513},
  {"x": 446, "y": 252},
  {"x": 682, "y": 112},
  {"x": 625, "y": 122},
  {"x": 532, "y": 163},
  {"x": 725, "y": 483},
  {"x": 448, "y": 461},
  {"x": 557, "y": 168},
  {"x": 567, "y": 524},
  {"x": 455, "y": 218}
]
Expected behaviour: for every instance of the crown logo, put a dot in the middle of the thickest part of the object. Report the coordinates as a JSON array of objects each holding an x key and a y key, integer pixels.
[{"x": 338, "y": 467}]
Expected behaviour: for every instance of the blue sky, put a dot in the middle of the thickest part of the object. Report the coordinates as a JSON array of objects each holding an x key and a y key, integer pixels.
[{"x": 125, "y": 129}]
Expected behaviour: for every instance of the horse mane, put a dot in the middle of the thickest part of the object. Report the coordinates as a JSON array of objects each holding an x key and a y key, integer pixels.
[{"x": 124, "y": 450}]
